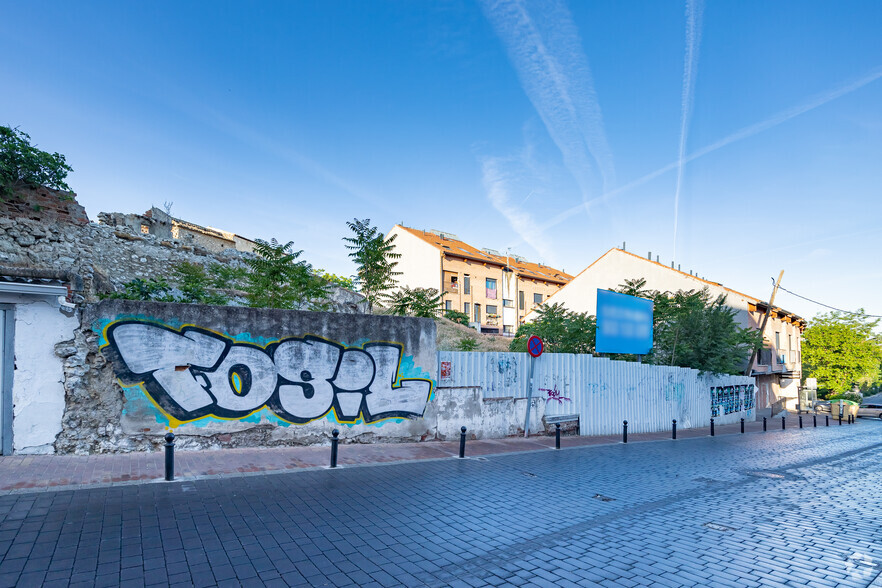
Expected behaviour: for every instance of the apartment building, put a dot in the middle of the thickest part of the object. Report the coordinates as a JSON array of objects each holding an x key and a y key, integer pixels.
[
  {"x": 495, "y": 290},
  {"x": 778, "y": 366}
]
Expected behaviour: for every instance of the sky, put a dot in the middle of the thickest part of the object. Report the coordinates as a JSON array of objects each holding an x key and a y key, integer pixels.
[{"x": 735, "y": 139}]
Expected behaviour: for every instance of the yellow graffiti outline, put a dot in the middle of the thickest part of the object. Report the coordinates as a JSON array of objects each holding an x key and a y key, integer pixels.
[{"x": 174, "y": 422}]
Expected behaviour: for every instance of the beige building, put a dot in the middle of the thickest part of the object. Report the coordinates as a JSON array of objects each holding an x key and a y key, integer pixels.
[
  {"x": 164, "y": 226},
  {"x": 777, "y": 368},
  {"x": 495, "y": 290}
]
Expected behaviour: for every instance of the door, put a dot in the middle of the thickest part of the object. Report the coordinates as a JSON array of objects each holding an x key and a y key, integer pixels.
[
  {"x": 478, "y": 313},
  {"x": 5, "y": 387}
]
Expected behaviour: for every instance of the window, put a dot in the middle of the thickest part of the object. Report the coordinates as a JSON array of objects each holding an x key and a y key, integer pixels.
[
  {"x": 777, "y": 339},
  {"x": 537, "y": 298},
  {"x": 491, "y": 288},
  {"x": 507, "y": 329},
  {"x": 491, "y": 309},
  {"x": 507, "y": 303},
  {"x": 521, "y": 300},
  {"x": 764, "y": 357},
  {"x": 466, "y": 285},
  {"x": 448, "y": 305},
  {"x": 466, "y": 307},
  {"x": 145, "y": 229},
  {"x": 477, "y": 313}
]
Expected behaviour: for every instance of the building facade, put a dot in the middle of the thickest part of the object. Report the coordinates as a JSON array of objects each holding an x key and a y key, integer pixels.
[
  {"x": 161, "y": 225},
  {"x": 777, "y": 367},
  {"x": 495, "y": 290}
]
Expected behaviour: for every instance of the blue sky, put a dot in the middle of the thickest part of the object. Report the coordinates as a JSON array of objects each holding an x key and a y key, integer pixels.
[{"x": 739, "y": 138}]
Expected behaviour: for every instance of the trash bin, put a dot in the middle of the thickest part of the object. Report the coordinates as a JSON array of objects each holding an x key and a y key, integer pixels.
[{"x": 845, "y": 407}]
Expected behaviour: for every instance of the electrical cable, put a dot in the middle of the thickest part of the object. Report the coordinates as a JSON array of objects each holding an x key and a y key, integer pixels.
[{"x": 827, "y": 305}]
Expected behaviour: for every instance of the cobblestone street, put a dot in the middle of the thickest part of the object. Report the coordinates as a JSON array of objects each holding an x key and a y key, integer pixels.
[{"x": 736, "y": 510}]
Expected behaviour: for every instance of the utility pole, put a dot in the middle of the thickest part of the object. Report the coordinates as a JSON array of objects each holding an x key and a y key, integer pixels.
[{"x": 765, "y": 320}]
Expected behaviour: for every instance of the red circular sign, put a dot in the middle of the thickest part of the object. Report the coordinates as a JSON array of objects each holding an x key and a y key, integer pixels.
[{"x": 535, "y": 346}]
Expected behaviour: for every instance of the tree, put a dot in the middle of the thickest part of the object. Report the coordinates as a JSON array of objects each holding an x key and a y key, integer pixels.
[
  {"x": 22, "y": 164},
  {"x": 374, "y": 256},
  {"x": 277, "y": 280},
  {"x": 335, "y": 280},
  {"x": 692, "y": 329},
  {"x": 422, "y": 302},
  {"x": 562, "y": 330},
  {"x": 457, "y": 317},
  {"x": 842, "y": 351},
  {"x": 196, "y": 285}
]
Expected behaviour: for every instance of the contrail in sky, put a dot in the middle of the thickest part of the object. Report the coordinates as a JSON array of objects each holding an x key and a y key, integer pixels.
[
  {"x": 748, "y": 131},
  {"x": 694, "y": 9},
  {"x": 544, "y": 46}
]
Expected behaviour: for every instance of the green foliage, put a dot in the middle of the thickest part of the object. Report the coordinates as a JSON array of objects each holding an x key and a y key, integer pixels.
[
  {"x": 157, "y": 290},
  {"x": 691, "y": 329},
  {"x": 457, "y": 317},
  {"x": 562, "y": 330},
  {"x": 374, "y": 257},
  {"x": 841, "y": 351},
  {"x": 277, "y": 280},
  {"x": 467, "y": 344},
  {"x": 422, "y": 302},
  {"x": 853, "y": 396},
  {"x": 335, "y": 280},
  {"x": 22, "y": 164},
  {"x": 195, "y": 285}
]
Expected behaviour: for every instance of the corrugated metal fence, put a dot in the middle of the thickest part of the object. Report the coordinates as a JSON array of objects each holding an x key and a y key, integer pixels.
[{"x": 604, "y": 392}]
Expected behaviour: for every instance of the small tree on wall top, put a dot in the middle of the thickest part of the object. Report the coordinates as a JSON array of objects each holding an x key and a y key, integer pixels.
[
  {"x": 374, "y": 256},
  {"x": 278, "y": 280},
  {"x": 22, "y": 164}
]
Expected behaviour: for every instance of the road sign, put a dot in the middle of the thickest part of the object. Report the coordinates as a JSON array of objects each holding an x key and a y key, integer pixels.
[{"x": 535, "y": 346}]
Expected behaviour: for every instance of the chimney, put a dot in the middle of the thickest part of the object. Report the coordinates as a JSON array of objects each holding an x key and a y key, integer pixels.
[{"x": 649, "y": 256}]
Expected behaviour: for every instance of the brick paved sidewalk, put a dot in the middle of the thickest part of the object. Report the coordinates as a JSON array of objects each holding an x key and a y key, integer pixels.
[{"x": 29, "y": 472}]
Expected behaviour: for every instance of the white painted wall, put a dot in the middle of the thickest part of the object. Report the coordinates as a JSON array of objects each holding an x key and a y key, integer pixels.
[
  {"x": 38, "y": 389},
  {"x": 615, "y": 266},
  {"x": 419, "y": 264}
]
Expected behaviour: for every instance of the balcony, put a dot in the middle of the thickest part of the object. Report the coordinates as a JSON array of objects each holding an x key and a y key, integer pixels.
[
  {"x": 491, "y": 293},
  {"x": 451, "y": 288}
]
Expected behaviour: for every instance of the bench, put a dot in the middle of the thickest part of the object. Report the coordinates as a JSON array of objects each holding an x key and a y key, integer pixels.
[{"x": 567, "y": 422}]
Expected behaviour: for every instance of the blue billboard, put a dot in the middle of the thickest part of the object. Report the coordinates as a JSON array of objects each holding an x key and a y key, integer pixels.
[{"x": 624, "y": 323}]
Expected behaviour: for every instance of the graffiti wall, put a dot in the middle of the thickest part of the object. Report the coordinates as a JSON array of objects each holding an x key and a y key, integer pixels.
[
  {"x": 604, "y": 392},
  {"x": 192, "y": 372},
  {"x": 227, "y": 377}
]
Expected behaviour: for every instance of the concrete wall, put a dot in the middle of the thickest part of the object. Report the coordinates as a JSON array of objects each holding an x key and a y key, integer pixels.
[
  {"x": 41, "y": 332},
  {"x": 227, "y": 377}
]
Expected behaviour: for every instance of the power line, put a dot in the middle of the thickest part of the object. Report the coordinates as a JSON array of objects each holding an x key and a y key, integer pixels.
[{"x": 827, "y": 305}]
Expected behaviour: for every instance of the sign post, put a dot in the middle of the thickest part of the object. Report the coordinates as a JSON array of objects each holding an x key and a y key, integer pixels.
[{"x": 535, "y": 347}]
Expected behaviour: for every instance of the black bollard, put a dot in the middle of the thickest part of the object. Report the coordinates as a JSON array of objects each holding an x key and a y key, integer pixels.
[
  {"x": 840, "y": 420},
  {"x": 712, "y": 427},
  {"x": 462, "y": 442},
  {"x": 557, "y": 435},
  {"x": 826, "y": 420},
  {"x": 764, "y": 423},
  {"x": 742, "y": 426},
  {"x": 783, "y": 423},
  {"x": 624, "y": 431},
  {"x": 334, "y": 442},
  {"x": 815, "y": 419},
  {"x": 800, "y": 421},
  {"x": 169, "y": 456},
  {"x": 674, "y": 429}
]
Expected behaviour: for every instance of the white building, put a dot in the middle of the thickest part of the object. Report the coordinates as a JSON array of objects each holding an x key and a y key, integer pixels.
[{"x": 777, "y": 368}]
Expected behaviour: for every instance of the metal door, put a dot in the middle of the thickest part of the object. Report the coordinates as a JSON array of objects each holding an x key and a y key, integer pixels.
[{"x": 6, "y": 367}]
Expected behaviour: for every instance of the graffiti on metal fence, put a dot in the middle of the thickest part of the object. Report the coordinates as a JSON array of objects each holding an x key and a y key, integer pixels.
[
  {"x": 554, "y": 394},
  {"x": 730, "y": 399},
  {"x": 191, "y": 373}
]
